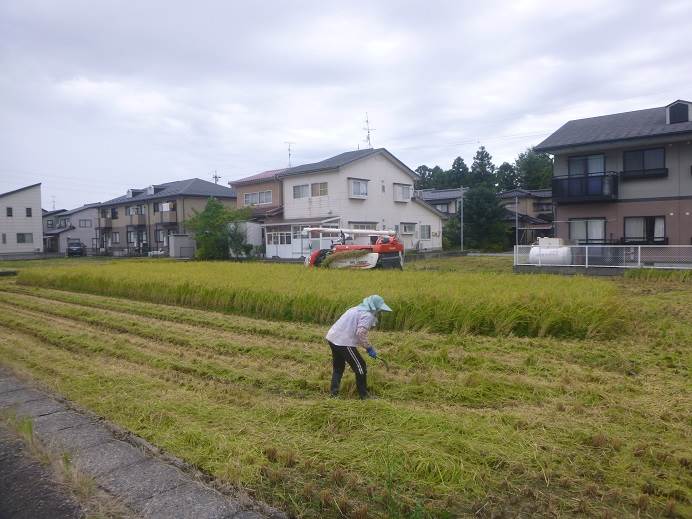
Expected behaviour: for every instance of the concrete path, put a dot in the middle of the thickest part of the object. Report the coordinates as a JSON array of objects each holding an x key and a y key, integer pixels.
[
  {"x": 27, "y": 489},
  {"x": 146, "y": 484}
]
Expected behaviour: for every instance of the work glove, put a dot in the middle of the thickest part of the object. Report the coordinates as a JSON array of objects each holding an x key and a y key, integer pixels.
[{"x": 371, "y": 351}]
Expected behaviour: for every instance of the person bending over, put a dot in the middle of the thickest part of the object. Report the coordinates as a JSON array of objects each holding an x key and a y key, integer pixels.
[{"x": 349, "y": 332}]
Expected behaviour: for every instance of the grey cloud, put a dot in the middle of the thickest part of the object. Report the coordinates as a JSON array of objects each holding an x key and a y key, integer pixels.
[{"x": 97, "y": 97}]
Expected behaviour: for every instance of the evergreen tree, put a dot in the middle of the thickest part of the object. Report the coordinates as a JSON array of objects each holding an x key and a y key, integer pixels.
[
  {"x": 425, "y": 180},
  {"x": 484, "y": 227},
  {"x": 507, "y": 177},
  {"x": 459, "y": 174},
  {"x": 535, "y": 169},
  {"x": 482, "y": 169}
]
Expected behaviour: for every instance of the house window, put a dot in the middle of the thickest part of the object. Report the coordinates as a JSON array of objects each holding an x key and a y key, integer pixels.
[
  {"x": 142, "y": 236},
  {"x": 28, "y": 212},
  {"x": 645, "y": 229},
  {"x": 298, "y": 231},
  {"x": 84, "y": 223},
  {"x": 402, "y": 192},
  {"x": 265, "y": 197},
  {"x": 160, "y": 235},
  {"x": 366, "y": 226},
  {"x": 50, "y": 224},
  {"x": 318, "y": 189},
  {"x": 25, "y": 237},
  {"x": 442, "y": 207},
  {"x": 251, "y": 198},
  {"x": 408, "y": 228},
  {"x": 585, "y": 231},
  {"x": 425, "y": 233},
  {"x": 4, "y": 239},
  {"x": 114, "y": 213},
  {"x": 63, "y": 222},
  {"x": 586, "y": 165},
  {"x": 301, "y": 191},
  {"x": 115, "y": 237},
  {"x": 359, "y": 188},
  {"x": 9, "y": 212},
  {"x": 644, "y": 163},
  {"x": 156, "y": 207},
  {"x": 131, "y": 236},
  {"x": 278, "y": 235}
]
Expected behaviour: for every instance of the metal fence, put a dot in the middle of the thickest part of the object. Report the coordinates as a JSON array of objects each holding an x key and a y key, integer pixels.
[{"x": 620, "y": 256}]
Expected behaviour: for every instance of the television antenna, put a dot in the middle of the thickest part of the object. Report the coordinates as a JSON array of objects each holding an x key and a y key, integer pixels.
[
  {"x": 290, "y": 143},
  {"x": 368, "y": 137},
  {"x": 216, "y": 177}
]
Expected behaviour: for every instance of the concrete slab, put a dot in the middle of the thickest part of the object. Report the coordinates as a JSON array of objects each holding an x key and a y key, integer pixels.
[
  {"x": 188, "y": 501},
  {"x": 9, "y": 384},
  {"x": 104, "y": 458},
  {"x": 19, "y": 397},
  {"x": 48, "y": 424},
  {"x": 75, "y": 439},
  {"x": 135, "y": 484},
  {"x": 35, "y": 408}
]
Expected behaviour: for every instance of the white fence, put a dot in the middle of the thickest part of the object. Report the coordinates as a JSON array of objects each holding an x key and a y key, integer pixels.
[{"x": 620, "y": 256}]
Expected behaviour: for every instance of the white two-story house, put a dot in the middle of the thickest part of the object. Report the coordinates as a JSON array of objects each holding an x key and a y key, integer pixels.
[
  {"x": 21, "y": 231},
  {"x": 365, "y": 189}
]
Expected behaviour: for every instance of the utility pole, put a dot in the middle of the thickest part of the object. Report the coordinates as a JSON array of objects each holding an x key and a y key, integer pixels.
[
  {"x": 516, "y": 221},
  {"x": 216, "y": 177},
  {"x": 290, "y": 143},
  {"x": 461, "y": 220},
  {"x": 368, "y": 137}
]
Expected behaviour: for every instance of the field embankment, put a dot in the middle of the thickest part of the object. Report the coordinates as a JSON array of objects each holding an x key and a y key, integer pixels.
[{"x": 438, "y": 301}]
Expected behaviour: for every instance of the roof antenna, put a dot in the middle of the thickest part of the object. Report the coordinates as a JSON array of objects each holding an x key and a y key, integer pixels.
[
  {"x": 53, "y": 199},
  {"x": 290, "y": 143},
  {"x": 216, "y": 177},
  {"x": 368, "y": 138}
]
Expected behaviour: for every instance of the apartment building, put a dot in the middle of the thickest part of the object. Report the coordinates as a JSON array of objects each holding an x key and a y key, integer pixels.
[
  {"x": 363, "y": 189},
  {"x": 21, "y": 230},
  {"x": 532, "y": 210},
  {"x": 77, "y": 224},
  {"x": 142, "y": 220},
  {"x": 624, "y": 178}
]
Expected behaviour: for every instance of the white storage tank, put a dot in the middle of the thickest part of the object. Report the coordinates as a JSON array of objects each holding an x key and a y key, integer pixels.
[{"x": 550, "y": 251}]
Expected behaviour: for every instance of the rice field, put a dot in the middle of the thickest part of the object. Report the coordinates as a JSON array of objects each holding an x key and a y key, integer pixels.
[
  {"x": 476, "y": 420},
  {"x": 487, "y": 303}
]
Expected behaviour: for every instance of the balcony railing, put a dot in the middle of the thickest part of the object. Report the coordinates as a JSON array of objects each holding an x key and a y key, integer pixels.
[
  {"x": 644, "y": 173},
  {"x": 138, "y": 219},
  {"x": 105, "y": 223},
  {"x": 169, "y": 217},
  {"x": 601, "y": 187}
]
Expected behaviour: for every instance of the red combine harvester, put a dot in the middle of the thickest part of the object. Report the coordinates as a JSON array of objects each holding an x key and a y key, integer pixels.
[{"x": 384, "y": 250}]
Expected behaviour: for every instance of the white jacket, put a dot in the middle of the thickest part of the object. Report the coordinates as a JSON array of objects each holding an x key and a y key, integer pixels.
[{"x": 352, "y": 328}]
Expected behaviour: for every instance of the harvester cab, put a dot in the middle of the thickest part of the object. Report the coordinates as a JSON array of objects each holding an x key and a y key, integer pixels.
[{"x": 384, "y": 249}]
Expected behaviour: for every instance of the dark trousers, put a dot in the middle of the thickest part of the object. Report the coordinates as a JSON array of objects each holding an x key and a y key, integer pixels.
[{"x": 342, "y": 355}]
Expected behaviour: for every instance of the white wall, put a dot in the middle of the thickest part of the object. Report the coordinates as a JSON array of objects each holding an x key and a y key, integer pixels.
[
  {"x": 84, "y": 234},
  {"x": 20, "y": 223},
  {"x": 379, "y": 207}
]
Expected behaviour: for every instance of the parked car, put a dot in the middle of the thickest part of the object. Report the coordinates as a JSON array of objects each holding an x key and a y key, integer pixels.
[{"x": 76, "y": 248}]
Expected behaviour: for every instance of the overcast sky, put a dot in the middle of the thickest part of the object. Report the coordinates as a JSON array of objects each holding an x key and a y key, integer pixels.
[{"x": 99, "y": 96}]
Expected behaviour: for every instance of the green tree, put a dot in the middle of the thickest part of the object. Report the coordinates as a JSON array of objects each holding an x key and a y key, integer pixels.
[
  {"x": 459, "y": 174},
  {"x": 507, "y": 177},
  {"x": 211, "y": 228},
  {"x": 535, "y": 169},
  {"x": 425, "y": 177},
  {"x": 484, "y": 227},
  {"x": 482, "y": 169}
]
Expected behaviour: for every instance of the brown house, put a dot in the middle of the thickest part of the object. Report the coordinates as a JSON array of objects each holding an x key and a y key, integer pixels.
[
  {"x": 263, "y": 192},
  {"x": 624, "y": 178},
  {"x": 532, "y": 209},
  {"x": 143, "y": 219}
]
